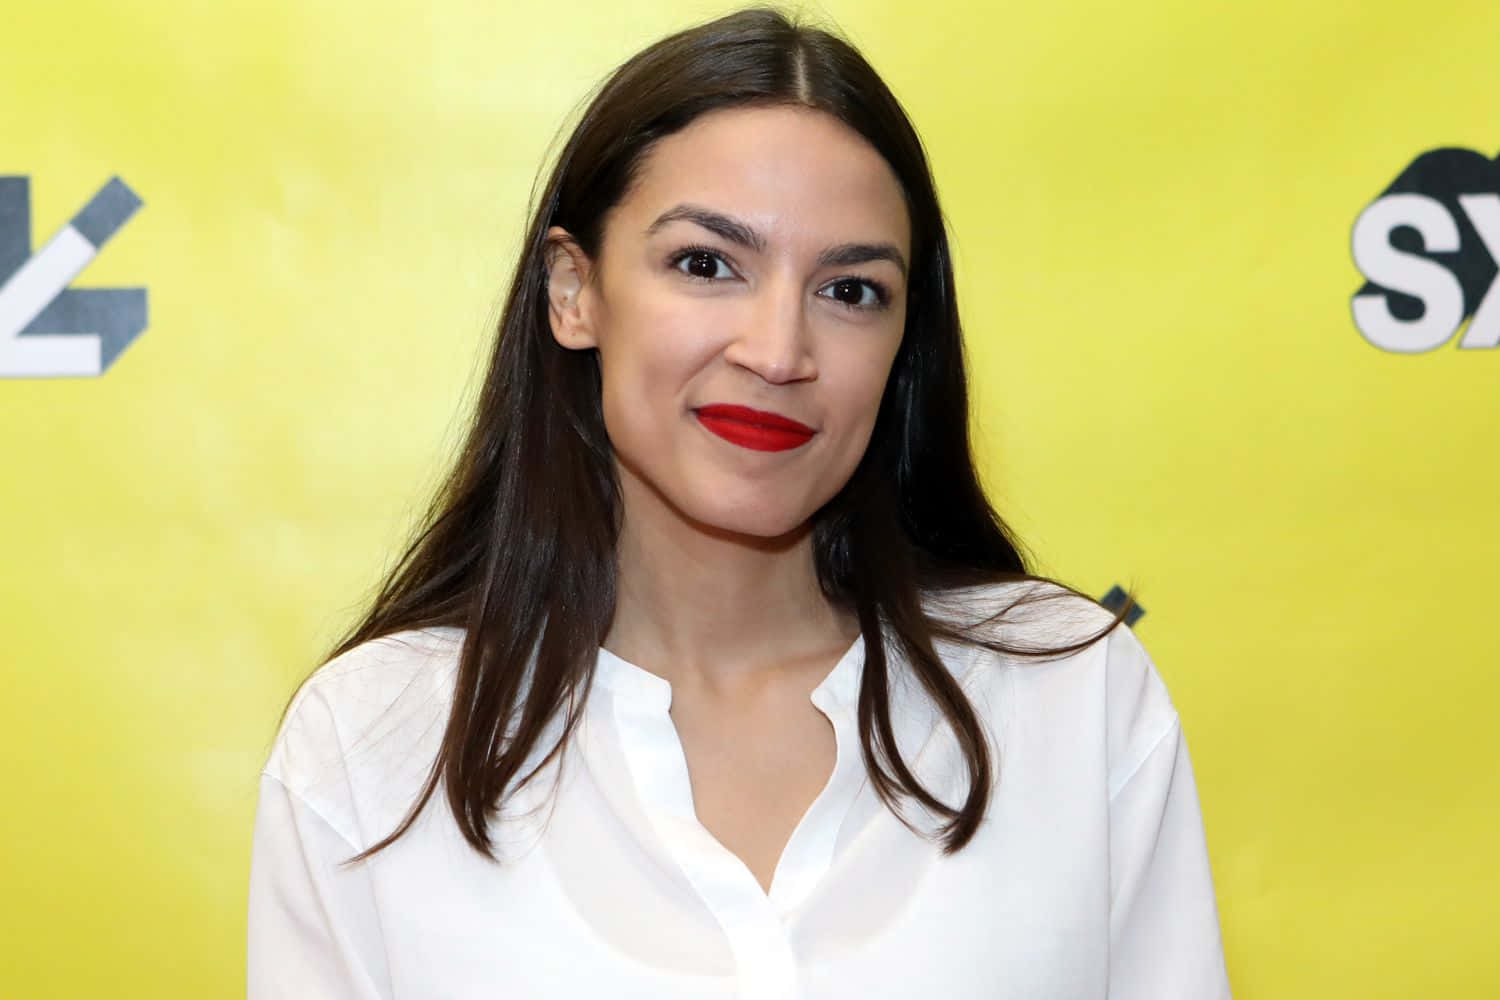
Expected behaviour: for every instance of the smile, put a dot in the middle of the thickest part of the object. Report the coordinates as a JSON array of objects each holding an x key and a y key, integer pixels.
[{"x": 753, "y": 429}]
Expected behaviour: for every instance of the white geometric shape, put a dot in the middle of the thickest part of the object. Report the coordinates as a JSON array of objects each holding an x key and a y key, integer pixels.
[
  {"x": 51, "y": 354},
  {"x": 41, "y": 279}
]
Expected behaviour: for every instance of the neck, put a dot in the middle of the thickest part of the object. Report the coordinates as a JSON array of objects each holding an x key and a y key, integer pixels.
[{"x": 718, "y": 611}]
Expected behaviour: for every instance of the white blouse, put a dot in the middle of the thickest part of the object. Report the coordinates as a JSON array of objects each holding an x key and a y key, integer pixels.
[{"x": 1088, "y": 878}]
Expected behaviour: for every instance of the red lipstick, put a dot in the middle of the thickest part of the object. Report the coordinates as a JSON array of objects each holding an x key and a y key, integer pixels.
[{"x": 753, "y": 429}]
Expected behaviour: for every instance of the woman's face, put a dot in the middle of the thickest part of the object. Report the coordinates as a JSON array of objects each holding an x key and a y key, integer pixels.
[{"x": 747, "y": 302}]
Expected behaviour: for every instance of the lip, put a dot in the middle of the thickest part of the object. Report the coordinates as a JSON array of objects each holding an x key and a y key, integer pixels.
[{"x": 758, "y": 430}]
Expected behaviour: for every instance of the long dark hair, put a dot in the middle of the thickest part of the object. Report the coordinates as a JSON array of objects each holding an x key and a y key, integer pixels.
[{"x": 518, "y": 547}]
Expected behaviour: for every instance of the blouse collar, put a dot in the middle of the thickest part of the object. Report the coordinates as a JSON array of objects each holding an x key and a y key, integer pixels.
[{"x": 640, "y": 689}]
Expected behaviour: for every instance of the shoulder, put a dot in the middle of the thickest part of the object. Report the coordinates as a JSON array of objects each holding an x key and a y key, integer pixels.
[
  {"x": 366, "y": 719},
  {"x": 1111, "y": 685},
  {"x": 1026, "y": 614}
]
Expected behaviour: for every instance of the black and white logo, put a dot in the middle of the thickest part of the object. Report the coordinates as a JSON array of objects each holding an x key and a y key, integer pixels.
[
  {"x": 1428, "y": 248},
  {"x": 46, "y": 328}
]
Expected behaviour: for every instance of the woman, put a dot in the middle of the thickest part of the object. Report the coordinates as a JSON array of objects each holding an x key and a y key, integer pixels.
[{"x": 732, "y": 680}]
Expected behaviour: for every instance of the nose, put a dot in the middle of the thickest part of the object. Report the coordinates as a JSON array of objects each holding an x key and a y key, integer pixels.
[{"x": 775, "y": 341}]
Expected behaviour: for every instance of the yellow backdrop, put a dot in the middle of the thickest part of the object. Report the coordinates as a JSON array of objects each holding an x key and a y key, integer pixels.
[{"x": 1153, "y": 206}]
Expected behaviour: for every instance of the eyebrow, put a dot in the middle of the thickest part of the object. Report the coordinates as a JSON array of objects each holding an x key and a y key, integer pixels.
[{"x": 735, "y": 231}]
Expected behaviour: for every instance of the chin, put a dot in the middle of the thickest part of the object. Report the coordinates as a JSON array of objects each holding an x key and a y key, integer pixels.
[
  {"x": 762, "y": 525},
  {"x": 750, "y": 516},
  {"x": 762, "y": 512}
]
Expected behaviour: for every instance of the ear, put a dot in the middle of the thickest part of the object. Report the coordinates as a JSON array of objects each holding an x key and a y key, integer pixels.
[{"x": 568, "y": 272}]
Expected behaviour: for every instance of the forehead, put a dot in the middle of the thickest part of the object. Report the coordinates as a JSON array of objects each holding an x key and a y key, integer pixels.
[{"x": 795, "y": 174}]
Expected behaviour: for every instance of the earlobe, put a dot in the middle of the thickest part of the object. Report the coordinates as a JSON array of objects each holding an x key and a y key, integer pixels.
[{"x": 567, "y": 278}]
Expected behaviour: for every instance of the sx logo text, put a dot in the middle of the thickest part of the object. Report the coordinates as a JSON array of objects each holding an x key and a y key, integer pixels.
[{"x": 1428, "y": 248}]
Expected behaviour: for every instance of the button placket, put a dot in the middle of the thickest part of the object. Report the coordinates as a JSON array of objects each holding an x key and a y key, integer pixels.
[
  {"x": 658, "y": 767},
  {"x": 808, "y": 853},
  {"x": 752, "y": 920}
]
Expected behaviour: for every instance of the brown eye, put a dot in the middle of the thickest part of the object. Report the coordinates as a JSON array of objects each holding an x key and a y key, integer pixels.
[
  {"x": 703, "y": 264},
  {"x": 856, "y": 293},
  {"x": 849, "y": 291}
]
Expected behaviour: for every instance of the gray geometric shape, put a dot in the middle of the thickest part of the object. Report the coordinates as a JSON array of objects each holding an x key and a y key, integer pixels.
[
  {"x": 117, "y": 315},
  {"x": 1115, "y": 600},
  {"x": 106, "y": 212},
  {"x": 15, "y": 224}
]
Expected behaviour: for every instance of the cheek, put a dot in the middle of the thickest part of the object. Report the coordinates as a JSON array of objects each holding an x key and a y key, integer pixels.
[
  {"x": 648, "y": 356},
  {"x": 857, "y": 397},
  {"x": 862, "y": 383}
]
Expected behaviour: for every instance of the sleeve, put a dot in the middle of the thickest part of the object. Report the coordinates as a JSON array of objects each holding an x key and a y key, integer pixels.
[
  {"x": 313, "y": 928},
  {"x": 1165, "y": 941}
]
